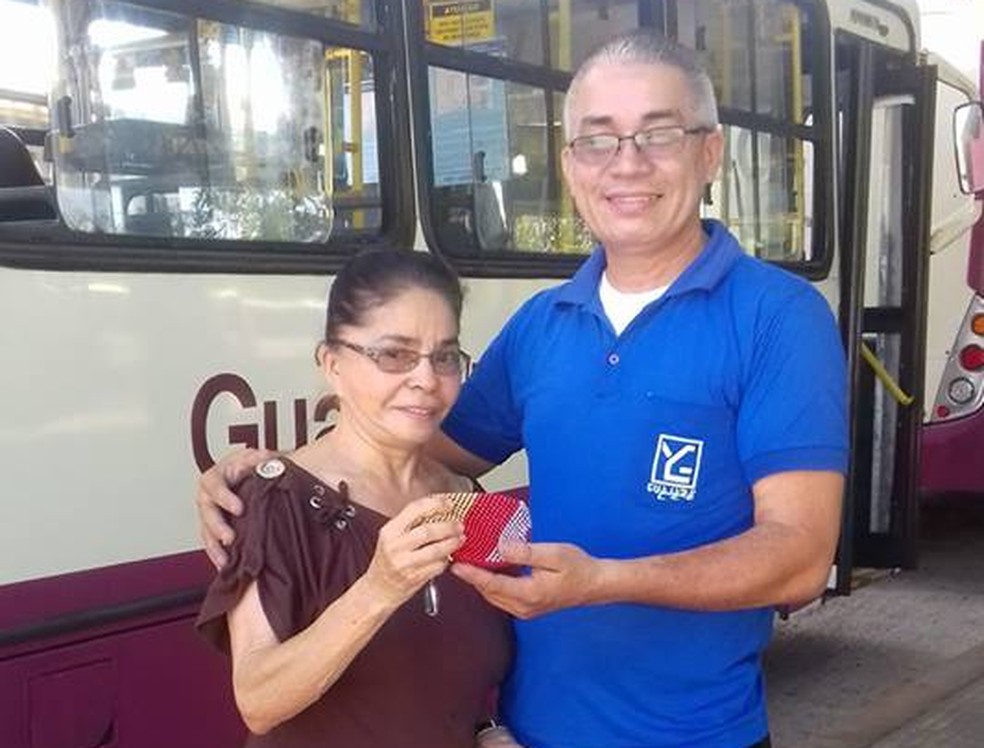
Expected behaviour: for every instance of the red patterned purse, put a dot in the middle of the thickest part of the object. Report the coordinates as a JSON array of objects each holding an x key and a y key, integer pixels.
[{"x": 489, "y": 518}]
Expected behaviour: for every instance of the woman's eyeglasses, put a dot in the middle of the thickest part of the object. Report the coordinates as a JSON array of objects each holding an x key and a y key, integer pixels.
[{"x": 446, "y": 362}]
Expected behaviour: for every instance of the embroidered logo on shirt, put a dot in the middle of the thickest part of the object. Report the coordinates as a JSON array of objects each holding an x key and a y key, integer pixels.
[{"x": 676, "y": 466}]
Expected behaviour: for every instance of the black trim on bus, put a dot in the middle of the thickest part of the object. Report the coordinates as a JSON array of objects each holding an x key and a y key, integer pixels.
[
  {"x": 28, "y": 135},
  {"x": 392, "y": 97},
  {"x": 884, "y": 319},
  {"x": 278, "y": 19},
  {"x": 896, "y": 11},
  {"x": 825, "y": 236},
  {"x": 767, "y": 124},
  {"x": 73, "y": 623},
  {"x": 825, "y": 239},
  {"x": 488, "y": 66},
  {"x": 918, "y": 223},
  {"x": 854, "y": 211},
  {"x": 50, "y": 246}
]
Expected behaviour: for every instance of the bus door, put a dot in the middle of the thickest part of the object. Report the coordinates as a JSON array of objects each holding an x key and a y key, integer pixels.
[{"x": 885, "y": 105}]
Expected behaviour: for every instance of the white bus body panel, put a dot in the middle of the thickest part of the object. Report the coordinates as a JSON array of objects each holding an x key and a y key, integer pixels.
[{"x": 104, "y": 384}]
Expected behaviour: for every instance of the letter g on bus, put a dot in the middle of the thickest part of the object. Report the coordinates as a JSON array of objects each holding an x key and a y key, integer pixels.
[{"x": 246, "y": 434}]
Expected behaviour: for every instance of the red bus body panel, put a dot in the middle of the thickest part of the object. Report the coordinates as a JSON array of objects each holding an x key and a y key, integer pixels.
[{"x": 109, "y": 658}]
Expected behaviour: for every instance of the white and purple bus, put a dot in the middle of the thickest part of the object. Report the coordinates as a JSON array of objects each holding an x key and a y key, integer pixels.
[
  {"x": 176, "y": 197},
  {"x": 953, "y": 437}
]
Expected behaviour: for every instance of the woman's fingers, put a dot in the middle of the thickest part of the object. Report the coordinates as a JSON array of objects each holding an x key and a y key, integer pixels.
[
  {"x": 417, "y": 512},
  {"x": 409, "y": 551},
  {"x": 214, "y": 495}
]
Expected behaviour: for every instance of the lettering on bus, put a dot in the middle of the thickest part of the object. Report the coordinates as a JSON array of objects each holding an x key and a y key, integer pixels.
[
  {"x": 869, "y": 21},
  {"x": 248, "y": 433}
]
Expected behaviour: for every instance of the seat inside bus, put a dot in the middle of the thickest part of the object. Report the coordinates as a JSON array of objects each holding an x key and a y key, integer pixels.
[{"x": 23, "y": 194}]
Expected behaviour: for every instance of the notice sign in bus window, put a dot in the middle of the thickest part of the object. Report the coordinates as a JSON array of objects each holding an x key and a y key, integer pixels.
[
  {"x": 468, "y": 118},
  {"x": 460, "y": 22}
]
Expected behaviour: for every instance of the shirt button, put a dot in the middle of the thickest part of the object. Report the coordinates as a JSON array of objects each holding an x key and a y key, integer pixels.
[{"x": 613, "y": 359}]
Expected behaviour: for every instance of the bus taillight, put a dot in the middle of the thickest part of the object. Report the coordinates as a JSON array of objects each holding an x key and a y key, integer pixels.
[
  {"x": 972, "y": 357},
  {"x": 961, "y": 391}
]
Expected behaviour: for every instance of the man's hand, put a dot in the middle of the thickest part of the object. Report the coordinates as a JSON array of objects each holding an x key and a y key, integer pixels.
[
  {"x": 561, "y": 576},
  {"x": 214, "y": 495}
]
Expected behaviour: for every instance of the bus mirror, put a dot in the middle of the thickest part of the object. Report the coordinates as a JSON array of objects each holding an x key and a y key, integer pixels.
[{"x": 968, "y": 138}]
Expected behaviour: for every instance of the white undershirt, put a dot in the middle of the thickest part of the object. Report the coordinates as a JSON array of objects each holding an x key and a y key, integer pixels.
[{"x": 622, "y": 307}]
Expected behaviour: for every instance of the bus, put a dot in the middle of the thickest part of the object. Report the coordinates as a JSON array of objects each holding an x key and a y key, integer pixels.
[
  {"x": 954, "y": 433},
  {"x": 174, "y": 204}
]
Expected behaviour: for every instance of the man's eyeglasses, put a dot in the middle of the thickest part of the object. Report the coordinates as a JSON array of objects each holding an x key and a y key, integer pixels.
[
  {"x": 655, "y": 143},
  {"x": 447, "y": 362}
]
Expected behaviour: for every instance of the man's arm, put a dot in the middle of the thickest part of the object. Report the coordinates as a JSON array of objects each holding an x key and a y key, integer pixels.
[
  {"x": 215, "y": 488},
  {"x": 783, "y": 558}
]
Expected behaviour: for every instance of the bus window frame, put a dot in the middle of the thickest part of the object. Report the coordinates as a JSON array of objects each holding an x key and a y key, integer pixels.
[
  {"x": 661, "y": 16},
  {"x": 423, "y": 55},
  {"x": 57, "y": 247},
  {"x": 820, "y": 134}
]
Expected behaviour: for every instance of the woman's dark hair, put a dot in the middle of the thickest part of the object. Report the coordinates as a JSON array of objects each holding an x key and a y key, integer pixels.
[{"x": 373, "y": 278}]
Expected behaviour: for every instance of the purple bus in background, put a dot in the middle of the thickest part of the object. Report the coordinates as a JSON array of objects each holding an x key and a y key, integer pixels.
[{"x": 953, "y": 436}]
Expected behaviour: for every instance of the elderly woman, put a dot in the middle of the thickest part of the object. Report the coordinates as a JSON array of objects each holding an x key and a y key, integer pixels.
[{"x": 322, "y": 603}]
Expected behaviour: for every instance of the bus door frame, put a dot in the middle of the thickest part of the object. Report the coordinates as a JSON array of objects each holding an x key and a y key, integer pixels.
[{"x": 875, "y": 74}]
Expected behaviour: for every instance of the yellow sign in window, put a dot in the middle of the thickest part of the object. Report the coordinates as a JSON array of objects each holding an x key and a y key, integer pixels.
[{"x": 460, "y": 22}]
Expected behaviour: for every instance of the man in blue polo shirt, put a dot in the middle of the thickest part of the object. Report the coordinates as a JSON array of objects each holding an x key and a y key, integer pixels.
[{"x": 682, "y": 407}]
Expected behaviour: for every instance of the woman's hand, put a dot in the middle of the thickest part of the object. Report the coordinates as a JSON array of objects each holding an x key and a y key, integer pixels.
[
  {"x": 406, "y": 559},
  {"x": 214, "y": 495}
]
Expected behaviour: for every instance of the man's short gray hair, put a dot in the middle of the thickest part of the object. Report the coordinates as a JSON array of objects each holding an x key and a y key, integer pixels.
[{"x": 650, "y": 48}]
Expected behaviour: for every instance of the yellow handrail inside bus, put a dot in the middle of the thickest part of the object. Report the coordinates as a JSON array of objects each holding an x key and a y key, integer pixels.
[{"x": 893, "y": 388}]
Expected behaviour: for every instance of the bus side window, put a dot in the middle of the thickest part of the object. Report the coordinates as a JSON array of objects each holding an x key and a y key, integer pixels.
[
  {"x": 493, "y": 119},
  {"x": 761, "y": 61}
]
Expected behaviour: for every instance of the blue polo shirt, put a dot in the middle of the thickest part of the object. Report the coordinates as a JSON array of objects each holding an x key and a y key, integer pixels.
[{"x": 648, "y": 443}]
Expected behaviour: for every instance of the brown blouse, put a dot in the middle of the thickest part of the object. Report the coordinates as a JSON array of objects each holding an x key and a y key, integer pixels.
[{"x": 420, "y": 681}]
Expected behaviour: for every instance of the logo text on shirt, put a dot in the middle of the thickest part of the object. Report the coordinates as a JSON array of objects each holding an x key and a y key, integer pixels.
[{"x": 676, "y": 466}]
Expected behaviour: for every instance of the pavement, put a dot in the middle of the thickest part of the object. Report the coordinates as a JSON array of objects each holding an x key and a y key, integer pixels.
[{"x": 900, "y": 662}]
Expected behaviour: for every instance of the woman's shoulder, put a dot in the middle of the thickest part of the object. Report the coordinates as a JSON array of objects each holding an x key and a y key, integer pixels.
[{"x": 280, "y": 485}]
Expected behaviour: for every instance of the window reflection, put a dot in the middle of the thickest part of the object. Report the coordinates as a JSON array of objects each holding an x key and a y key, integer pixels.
[
  {"x": 496, "y": 143},
  {"x": 182, "y": 127},
  {"x": 497, "y": 184},
  {"x": 577, "y": 27},
  {"x": 755, "y": 51},
  {"x": 358, "y": 12},
  {"x": 762, "y": 194}
]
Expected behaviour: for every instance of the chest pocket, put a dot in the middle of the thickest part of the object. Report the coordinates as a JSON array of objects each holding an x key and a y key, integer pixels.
[{"x": 693, "y": 446}]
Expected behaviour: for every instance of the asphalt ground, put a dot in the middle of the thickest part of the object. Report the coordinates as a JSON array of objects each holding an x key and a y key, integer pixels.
[{"x": 900, "y": 662}]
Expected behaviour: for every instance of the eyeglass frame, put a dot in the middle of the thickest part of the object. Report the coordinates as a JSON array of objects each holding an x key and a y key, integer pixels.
[
  {"x": 675, "y": 147},
  {"x": 373, "y": 353}
]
